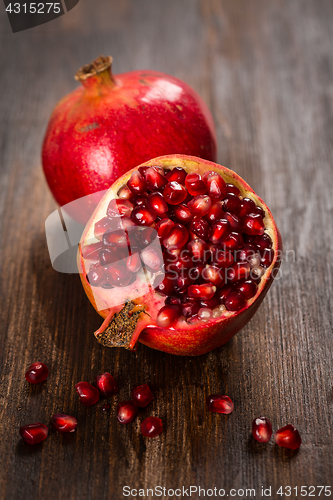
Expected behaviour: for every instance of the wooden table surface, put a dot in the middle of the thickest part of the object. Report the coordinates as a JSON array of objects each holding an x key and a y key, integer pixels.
[{"x": 265, "y": 68}]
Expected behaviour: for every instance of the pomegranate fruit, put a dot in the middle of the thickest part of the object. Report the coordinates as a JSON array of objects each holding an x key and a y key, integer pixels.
[
  {"x": 262, "y": 429},
  {"x": 288, "y": 437},
  {"x": 170, "y": 289},
  {"x": 37, "y": 373},
  {"x": 34, "y": 433},
  {"x": 114, "y": 122}
]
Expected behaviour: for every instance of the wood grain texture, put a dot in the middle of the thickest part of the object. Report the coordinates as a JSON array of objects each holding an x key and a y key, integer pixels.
[{"x": 266, "y": 71}]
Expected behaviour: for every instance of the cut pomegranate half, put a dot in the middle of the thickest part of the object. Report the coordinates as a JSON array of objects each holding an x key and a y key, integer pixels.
[{"x": 185, "y": 264}]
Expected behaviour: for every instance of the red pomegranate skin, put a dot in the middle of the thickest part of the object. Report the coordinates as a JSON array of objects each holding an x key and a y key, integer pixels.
[{"x": 112, "y": 123}]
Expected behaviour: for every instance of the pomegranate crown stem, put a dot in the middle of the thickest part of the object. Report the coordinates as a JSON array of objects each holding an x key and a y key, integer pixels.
[{"x": 97, "y": 74}]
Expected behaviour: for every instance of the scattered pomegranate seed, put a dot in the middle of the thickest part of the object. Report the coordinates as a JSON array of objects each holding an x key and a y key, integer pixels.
[
  {"x": 106, "y": 384},
  {"x": 142, "y": 395},
  {"x": 288, "y": 437},
  {"x": 174, "y": 193},
  {"x": 34, "y": 433},
  {"x": 235, "y": 301},
  {"x": 126, "y": 411},
  {"x": 63, "y": 423},
  {"x": 89, "y": 395},
  {"x": 151, "y": 427},
  {"x": 219, "y": 404},
  {"x": 168, "y": 315},
  {"x": 262, "y": 429},
  {"x": 195, "y": 185},
  {"x": 137, "y": 183},
  {"x": 36, "y": 373}
]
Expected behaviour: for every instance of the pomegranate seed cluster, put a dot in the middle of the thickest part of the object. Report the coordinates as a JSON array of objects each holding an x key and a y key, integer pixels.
[{"x": 204, "y": 244}]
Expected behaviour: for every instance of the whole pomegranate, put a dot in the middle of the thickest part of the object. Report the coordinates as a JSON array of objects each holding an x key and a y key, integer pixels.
[
  {"x": 181, "y": 264},
  {"x": 114, "y": 122}
]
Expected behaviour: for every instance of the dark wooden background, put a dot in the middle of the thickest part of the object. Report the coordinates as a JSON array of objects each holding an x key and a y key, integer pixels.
[{"x": 265, "y": 69}]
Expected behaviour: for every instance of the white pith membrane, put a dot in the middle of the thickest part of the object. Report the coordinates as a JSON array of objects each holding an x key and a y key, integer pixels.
[{"x": 113, "y": 299}]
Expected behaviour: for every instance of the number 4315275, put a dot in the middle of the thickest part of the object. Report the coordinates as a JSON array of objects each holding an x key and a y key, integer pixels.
[
  {"x": 305, "y": 491},
  {"x": 34, "y": 8}
]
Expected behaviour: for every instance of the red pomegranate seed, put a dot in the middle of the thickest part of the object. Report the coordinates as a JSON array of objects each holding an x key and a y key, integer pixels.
[
  {"x": 200, "y": 228},
  {"x": 204, "y": 291},
  {"x": 143, "y": 170},
  {"x": 103, "y": 225},
  {"x": 96, "y": 276},
  {"x": 133, "y": 263},
  {"x": 248, "y": 288},
  {"x": 288, "y": 437},
  {"x": 216, "y": 187},
  {"x": 238, "y": 271},
  {"x": 142, "y": 216},
  {"x": 118, "y": 208},
  {"x": 157, "y": 204},
  {"x": 165, "y": 287},
  {"x": 267, "y": 257},
  {"x": 36, "y": 373},
  {"x": 176, "y": 238},
  {"x": 177, "y": 174},
  {"x": 142, "y": 395},
  {"x": 235, "y": 301},
  {"x": 247, "y": 206},
  {"x": 232, "y": 203},
  {"x": 217, "y": 403},
  {"x": 125, "y": 193},
  {"x": 152, "y": 259},
  {"x": 215, "y": 212},
  {"x": 183, "y": 214},
  {"x": 220, "y": 231},
  {"x": 260, "y": 211},
  {"x": 174, "y": 193},
  {"x": 190, "y": 309},
  {"x": 163, "y": 227},
  {"x": 34, "y": 433},
  {"x": 263, "y": 241},
  {"x": 137, "y": 183},
  {"x": 214, "y": 275},
  {"x": 211, "y": 303},
  {"x": 118, "y": 275},
  {"x": 200, "y": 205},
  {"x": 223, "y": 292},
  {"x": 63, "y": 423},
  {"x": 168, "y": 315},
  {"x": 116, "y": 239},
  {"x": 155, "y": 178},
  {"x": 234, "y": 221},
  {"x": 106, "y": 384},
  {"x": 246, "y": 254},
  {"x": 173, "y": 300},
  {"x": 126, "y": 411},
  {"x": 253, "y": 224},
  {"x": 89, "y": 395},
  {"x": 261, "y": 429},
  {"x": 198, "y": 249},
  {"x": 151, "y": 427},
  {"x": 182, "y": 282},
  {"x": 232, "y": 189},
  {"x": 183, "y": 262},
  {"x": 127, "y": 223},
  {"x": 195, "y": 185},
  {"x": 91, "y": 252},
  {"x": 233, "y": 241},
  {"x": 140, "y": 200},
  {"x": 110, "y": 255},
  {"x": 220, "y": 257}
]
